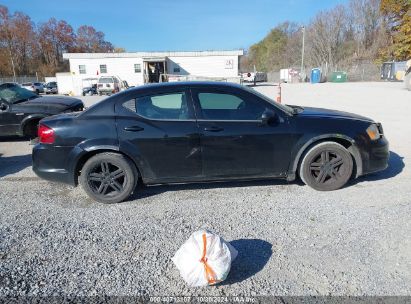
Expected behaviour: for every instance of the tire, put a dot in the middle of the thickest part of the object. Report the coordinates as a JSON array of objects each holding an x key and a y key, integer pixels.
[
  {"x": 327, "y": 166},
  {"x": 30, "y": 129},
  {"x": 37, "y": 92},
  {"x": 109, "y": 178}
]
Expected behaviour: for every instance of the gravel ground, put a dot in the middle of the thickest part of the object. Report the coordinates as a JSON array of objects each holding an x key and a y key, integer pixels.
[{"x": 292, "y": 240}]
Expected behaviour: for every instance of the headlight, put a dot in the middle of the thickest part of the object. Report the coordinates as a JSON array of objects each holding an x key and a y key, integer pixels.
[{"x": 373, "y": 132}]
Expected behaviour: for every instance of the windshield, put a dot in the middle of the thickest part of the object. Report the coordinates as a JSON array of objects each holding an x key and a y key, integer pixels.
[
  {"x": 278, "y": 105},
  {"x": 13, "y": 93},
  {"x": 106, "y": 80}
]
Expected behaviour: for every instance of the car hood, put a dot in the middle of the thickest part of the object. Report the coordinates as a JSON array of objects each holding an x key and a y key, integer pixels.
[
  {"x": 61, "y": 101},
  {"x": 326, "y": 113},
  {"x": 47, "y": 105}
]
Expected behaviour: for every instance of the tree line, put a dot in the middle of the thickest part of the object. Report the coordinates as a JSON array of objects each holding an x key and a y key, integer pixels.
[
  {"x": 27, "y": 48},
  {"x": 362, "y": 30}
]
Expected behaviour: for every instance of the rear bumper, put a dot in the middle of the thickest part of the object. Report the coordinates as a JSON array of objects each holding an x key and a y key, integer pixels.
[
  {"x": 51, "y": 163},
  {"x": 375, "y": 156}
]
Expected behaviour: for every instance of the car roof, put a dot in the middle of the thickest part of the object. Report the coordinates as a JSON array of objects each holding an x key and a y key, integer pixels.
[{"x": 186, "y": 84}]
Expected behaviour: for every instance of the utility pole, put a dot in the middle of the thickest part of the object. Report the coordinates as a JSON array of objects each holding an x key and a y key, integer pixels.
[
  {"x": 302, "y": 54},
  {"x": 12, "y": 66}
]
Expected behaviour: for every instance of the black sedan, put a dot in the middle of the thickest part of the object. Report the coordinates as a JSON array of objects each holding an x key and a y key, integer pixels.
[
  {"x": 203, "y": 131},
  {"x": 21, "y": 110}
]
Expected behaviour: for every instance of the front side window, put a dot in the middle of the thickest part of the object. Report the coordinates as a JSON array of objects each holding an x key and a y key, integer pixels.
[
  {"x": 103, "y": 68},
  {"x": 137, "y": 68},
  {"x": 225, "y": 106},
  {"x": 172, "y": 106},
  {"x": 82, "y": 69}
]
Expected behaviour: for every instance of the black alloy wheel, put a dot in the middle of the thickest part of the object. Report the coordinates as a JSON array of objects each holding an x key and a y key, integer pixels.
[
  {"x": 327, "y": 166},
  {"x": 108, "y": 177}
]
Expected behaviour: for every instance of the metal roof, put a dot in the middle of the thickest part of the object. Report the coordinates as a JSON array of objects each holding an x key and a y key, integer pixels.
[{"x": 152, "y": 54}]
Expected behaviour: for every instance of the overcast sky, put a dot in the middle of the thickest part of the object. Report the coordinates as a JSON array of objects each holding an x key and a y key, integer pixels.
[{"x": 161, "y": 25}]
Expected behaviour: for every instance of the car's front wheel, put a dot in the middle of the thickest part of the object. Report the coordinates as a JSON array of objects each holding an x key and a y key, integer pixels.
[
  {"x": 109, "y": 177},
  {"x": 326, "y": 166}
]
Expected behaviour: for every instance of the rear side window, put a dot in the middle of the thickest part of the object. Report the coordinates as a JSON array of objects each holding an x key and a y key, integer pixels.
[
  {"x": 172, "y": 106},
  {"x": 224, "y": 106}
]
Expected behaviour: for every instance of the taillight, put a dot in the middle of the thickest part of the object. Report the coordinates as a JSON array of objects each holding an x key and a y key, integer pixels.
[{"x": 45, "y": 134}]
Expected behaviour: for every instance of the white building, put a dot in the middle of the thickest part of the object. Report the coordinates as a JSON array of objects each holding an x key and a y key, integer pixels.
[{"x": 146, "y": 67}]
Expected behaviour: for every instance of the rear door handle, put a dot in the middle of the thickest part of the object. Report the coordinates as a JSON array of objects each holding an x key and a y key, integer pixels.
[
  {"x": 213, "y": 129},
  {"x": 134, "y": 129}
]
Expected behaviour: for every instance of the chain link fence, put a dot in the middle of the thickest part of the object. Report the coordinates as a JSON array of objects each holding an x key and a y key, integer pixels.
[
  {"x": 362, "y": 71},
  {"x": 21, "y": 79}
]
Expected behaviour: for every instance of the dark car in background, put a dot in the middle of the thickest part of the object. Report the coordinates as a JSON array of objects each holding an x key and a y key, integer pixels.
[
  {"x": 203, "y": 131},
  {"x": 90, "y": 90},
  {"x": 21, "y": 110}
]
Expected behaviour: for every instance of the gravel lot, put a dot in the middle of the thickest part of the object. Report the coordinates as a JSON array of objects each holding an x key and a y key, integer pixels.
[{"x": 291, "y": 239}]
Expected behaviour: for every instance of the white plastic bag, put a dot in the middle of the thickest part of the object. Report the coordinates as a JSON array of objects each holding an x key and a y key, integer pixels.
[{"x": 204, "y": 259}]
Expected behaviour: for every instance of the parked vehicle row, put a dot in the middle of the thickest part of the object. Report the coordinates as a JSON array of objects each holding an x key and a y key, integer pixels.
[
  {"x": 203, "y": 131},
  {"x": 39, "y": 87}
]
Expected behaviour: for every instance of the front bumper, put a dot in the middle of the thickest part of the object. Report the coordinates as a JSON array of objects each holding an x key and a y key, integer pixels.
[
  {"x": 375, "y": 155},
  {"x": 51, "y": 163}
]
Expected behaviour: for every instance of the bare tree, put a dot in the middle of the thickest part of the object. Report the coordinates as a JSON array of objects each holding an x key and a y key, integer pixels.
[{"x": 55, "y": 37}]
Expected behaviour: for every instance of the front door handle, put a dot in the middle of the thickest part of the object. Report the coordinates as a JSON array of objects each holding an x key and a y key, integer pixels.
[
  {"x": 213, "y": 129},
  {"x": 134, "y": 129}
]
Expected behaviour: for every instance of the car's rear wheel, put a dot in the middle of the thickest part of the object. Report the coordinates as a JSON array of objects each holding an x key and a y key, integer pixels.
[
  {"x": 326, "y": 166},
  {"x": 109, "y": 178}
]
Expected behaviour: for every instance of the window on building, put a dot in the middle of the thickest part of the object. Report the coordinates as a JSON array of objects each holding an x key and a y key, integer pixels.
[
  {"x": 137, "y": 68},
  {"x": 82, "y": 69},
  {"x": 176, "y": 69},
  {"x": 103, "y": 68}
]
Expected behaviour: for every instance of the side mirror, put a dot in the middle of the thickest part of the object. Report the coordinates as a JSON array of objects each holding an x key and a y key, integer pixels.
[
  {"x": 269, "y": 117},
  {"x": 3, "y": 106}
]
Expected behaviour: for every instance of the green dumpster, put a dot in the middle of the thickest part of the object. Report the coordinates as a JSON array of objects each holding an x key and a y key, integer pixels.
[{"x": 339, "y": 77}]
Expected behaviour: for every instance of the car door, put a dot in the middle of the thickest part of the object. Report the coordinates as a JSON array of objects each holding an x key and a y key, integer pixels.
[
  {"x": 234, "y": 141},
  {"x": 9, "y": 120},
  {"x": 162, "y": 130}
]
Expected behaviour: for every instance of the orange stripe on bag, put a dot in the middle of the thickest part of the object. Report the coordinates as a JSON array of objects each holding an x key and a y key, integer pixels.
[{"x": 209, "y": 272}]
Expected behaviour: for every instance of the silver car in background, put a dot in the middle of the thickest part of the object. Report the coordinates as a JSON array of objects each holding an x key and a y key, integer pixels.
[
  {"x": 36, "y": 87},
  {"x": 51, "y": 88}
]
